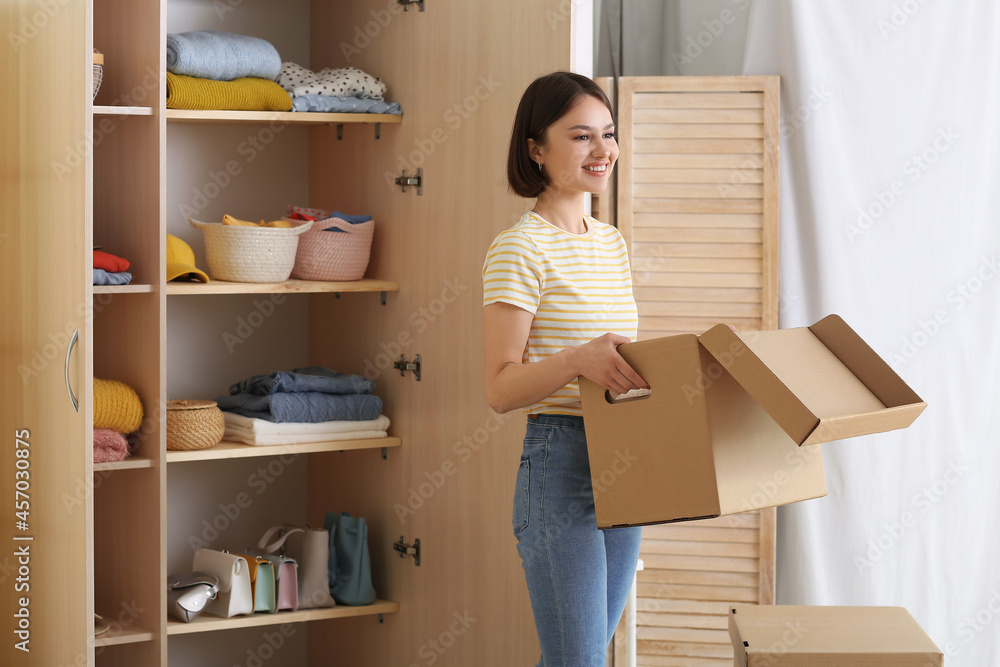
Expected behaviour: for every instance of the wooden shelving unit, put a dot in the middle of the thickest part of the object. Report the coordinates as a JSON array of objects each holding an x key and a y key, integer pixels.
[
  {"x": 123, "y": 289},
  {"x": 124, "y": 636},
  {"x": 128, "y": 464},
  {"x": 109, "y": 110},
  {"x": 282, "y": 117},
  {"x": 206, "y": 623},
  {"x": 288, "y": 287},
  {"x": 236, "y": 450}
]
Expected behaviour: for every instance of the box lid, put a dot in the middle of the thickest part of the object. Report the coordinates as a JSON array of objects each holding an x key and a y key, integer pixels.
[
  {"x": 819, "y": 383},
  {"x": 804, "y": 635}
]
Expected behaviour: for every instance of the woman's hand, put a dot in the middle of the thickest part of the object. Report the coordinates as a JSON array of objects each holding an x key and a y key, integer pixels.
[{"x": 600, "y": 362}]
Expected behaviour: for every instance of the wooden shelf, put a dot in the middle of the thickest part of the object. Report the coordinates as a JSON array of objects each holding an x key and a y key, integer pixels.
[
  {"x": 122, "y": 111},
  {"x": 206, "y": 623},
  {"x": 125, "y": 636},
  {"x": 123, "y": 289},
  {"x": 127, "y": 464},
  {"x": 236, "y": 450},
  {"x": 283, "y": 117},
  {"x": 289, "y": 286}
]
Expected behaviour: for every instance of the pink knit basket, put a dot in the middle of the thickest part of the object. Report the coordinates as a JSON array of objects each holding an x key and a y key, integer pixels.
[{"x": 327, "y": 255}]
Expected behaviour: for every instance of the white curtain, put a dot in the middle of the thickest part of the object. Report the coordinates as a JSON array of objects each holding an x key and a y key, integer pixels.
[{"x": 890, "y": 216}]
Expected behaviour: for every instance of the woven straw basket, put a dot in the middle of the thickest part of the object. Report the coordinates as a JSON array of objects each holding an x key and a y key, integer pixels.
[
  {"x": 194, "y": 425},
  {"x": 98, "y": 70},
  {"x": 250, "y": 254},
  {"x": 326, "y": 255}
]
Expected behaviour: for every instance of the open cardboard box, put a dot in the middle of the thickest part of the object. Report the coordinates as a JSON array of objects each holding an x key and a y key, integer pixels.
[
  {"x": 785, "y": 635},
  {"x": 723, "y": 427}
]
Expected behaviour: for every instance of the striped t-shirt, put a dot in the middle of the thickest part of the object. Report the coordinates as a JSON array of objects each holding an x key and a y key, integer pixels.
[{"x": 578, "y": 287}]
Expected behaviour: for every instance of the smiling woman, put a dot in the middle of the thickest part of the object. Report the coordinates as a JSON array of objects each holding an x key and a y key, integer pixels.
[{"x": 557, "y": 295}]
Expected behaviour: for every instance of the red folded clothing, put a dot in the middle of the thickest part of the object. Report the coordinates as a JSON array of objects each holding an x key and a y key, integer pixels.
[
  {"x": 110, "y": 263},
  {"x": 109, "y": 445}
]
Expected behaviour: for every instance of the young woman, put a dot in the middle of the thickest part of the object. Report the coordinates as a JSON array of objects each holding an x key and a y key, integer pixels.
[{"x": 557, "y": 294}]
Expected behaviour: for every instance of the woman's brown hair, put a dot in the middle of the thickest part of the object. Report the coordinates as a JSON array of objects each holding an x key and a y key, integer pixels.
[{"x": 544, "y": 102}]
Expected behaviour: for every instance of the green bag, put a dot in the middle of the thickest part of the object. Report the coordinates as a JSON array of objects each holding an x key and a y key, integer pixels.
[
  {"x": 261, "y": 583},
  {"x": 350, "y": 563}
]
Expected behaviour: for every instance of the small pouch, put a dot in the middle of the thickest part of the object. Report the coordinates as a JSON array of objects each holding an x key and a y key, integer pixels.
[{"x": 188, "y": 595}]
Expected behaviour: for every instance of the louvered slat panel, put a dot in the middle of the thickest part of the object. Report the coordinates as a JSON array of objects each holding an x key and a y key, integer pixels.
[
  {"x": 700, "y": 146},
  {"x": 652, "y": 280},
  {"x": 697, "y": 191},
  {"x": 701, "y": 621},
  {"x": 697, "y": 160},
  {"x": 700, "y": 116},
  {"x": 693, "y": 175},
  {"x": 698, "y": 294},
  {"x": 741, "y": 100},
  {"x": 700, "y": 220},
  {"x": 650, "y": 248},
  {"x": 697, "y": 205}
]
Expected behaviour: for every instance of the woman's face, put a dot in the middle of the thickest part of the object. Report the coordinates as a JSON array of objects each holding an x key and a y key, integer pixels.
[{"x": 580, "y": 149}]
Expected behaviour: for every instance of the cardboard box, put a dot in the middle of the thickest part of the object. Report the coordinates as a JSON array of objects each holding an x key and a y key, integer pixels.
[
  {"x": 782, "y": 636},
  {"x": 722, "y": 428}
]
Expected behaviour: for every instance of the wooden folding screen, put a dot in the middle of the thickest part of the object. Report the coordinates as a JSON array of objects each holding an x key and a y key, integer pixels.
[{"x": 697, "y": 203}]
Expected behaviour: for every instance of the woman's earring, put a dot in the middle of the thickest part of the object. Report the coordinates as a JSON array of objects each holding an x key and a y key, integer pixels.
[{"x": 539, "y": 167}]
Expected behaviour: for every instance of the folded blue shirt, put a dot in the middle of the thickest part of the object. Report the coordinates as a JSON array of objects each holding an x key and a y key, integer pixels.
[
  {"x": 333, "y": 104},
  {"x": 303, "y": 407},
  {"x": 102, "y": 277},
  {"x": 300, "y": 380}
]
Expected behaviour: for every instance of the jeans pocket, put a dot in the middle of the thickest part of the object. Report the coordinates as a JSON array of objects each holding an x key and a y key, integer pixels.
[{"x": 520, "y": 517}]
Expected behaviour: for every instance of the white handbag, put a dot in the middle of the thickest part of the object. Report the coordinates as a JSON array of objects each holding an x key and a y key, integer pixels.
[{"x": 235, "y": 596}]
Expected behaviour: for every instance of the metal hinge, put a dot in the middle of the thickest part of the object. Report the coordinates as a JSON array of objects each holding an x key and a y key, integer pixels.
[
  {"x": 405, "y": 549},
  {"x": 417, "y": 181},
  {"x": 403, "y": 365},
  {"x": 406, "y": 4}
]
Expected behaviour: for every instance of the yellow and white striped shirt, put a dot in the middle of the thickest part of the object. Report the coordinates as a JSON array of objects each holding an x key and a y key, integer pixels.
[{"x": 578, "y": 287}]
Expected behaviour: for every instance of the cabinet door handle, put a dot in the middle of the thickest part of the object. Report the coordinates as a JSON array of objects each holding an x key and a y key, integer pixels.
[{"x": 69, "y": 353}]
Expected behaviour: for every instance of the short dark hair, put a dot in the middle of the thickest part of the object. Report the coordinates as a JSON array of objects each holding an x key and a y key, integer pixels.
[{"x": 546, "y": 100}]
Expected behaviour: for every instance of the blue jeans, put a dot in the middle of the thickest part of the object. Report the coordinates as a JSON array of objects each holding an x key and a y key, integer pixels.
[{"x": 578, "y": 576}]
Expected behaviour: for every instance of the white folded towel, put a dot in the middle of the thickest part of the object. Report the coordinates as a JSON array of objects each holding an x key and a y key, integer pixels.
[
  {"x": 264, "y": 427},
  {"x": 262, "y": 439}
]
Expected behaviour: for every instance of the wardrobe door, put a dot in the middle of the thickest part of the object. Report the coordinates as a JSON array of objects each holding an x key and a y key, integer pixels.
[{"x": 46, "y": 563}]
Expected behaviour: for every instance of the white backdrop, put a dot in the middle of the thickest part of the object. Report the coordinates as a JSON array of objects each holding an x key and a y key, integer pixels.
[{"x": 890, "y": 216}]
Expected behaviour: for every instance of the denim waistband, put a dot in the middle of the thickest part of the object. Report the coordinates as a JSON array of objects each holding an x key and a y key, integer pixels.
[{"x": 573, "y": 421}]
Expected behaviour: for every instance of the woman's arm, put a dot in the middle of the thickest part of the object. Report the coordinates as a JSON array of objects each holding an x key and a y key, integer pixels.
[{"x": 512, "y": 384}]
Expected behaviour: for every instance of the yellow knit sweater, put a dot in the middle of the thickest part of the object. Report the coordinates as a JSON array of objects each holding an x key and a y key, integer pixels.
[
  {"x": 247, "y": 94},
  {"x": 116, "y": 406}
]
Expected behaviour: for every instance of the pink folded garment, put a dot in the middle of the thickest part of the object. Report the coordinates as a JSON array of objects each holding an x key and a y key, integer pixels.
[{"x": 109, "y": 445}]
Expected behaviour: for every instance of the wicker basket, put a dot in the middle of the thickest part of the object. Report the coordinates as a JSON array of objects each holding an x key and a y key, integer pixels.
[
  {"x": 250, "y": 254},
  {"x": 98, "y": 70},
  {"x": 327, "y": 255},
  {"x": 194, "y": 425}
]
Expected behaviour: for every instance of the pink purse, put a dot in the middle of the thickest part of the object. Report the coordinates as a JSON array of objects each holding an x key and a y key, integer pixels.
[{"x": 286, "y": 579}]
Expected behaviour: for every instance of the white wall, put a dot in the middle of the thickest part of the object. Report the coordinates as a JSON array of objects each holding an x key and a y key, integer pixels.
[{"x": 672, "y": 37}]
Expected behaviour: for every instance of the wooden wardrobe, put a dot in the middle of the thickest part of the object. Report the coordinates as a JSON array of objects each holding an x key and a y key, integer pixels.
[{"x": 78, "y": 172}]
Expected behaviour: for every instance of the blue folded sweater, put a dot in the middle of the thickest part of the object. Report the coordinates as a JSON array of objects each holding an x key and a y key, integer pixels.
[
  {"x": 221, "y": 56},
  {"x": 302, "y": 380},
  {"x": 304, "y": 407}
]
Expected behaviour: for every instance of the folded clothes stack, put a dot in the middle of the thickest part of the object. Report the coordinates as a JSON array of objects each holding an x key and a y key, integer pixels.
[
  {"x": 343, "y": 90},
  {"x": 117, "y": 412},
  {"x": 308, "y": 404},
  {"x": 209, "y": 69},
  {"x": 110, "y": 269}
]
